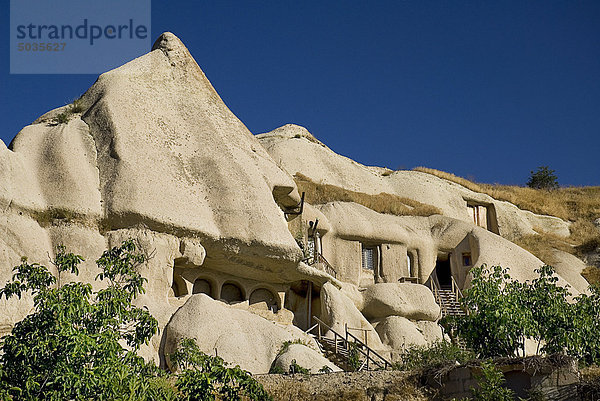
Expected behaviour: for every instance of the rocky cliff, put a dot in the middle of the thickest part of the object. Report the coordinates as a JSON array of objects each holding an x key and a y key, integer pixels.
[{"x": 151, "y": 152}]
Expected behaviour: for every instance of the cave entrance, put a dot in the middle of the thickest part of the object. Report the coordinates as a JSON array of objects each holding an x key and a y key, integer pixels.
[{"x": 443, "y": 271}]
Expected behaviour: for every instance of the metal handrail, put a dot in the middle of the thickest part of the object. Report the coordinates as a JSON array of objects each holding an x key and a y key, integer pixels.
[
  {"x": 370, "y": 350},
  {"x": 456, "y": 289},
  {"x": 327, "y": 266},
  {"x": 345, "y": 343},
  {"x": 365, "y": 331},
  {"x": 311, "y": 328},
  {"x": 436, "y": 294}
]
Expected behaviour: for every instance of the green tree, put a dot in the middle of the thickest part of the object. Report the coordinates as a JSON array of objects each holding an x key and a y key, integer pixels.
[
  {"x": 543, "y": 178},
  {"x": 81, "y": 345},
  {"x": 70, "y": 346},
  {"x": 585, "y": 338},
  {"x": 503, "y": 312},
  {"x": 497, "y": 322},
  {"x": 552, "y": 315}
]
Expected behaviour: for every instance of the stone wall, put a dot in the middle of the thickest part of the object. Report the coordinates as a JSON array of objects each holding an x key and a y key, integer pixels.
[
  {"x": 344, "y": 386},
  {"x": 552, "y": 383}
]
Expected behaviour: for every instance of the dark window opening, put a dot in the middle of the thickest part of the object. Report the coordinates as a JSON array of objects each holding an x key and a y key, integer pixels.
[
  {"x": 264, "y": 298},
  {"x": 466, "y": 258},
  {"x": 370, "y": 257}
]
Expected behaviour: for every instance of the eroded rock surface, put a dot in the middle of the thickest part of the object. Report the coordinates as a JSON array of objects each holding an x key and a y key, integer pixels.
[
  {"x": 237, "y": 336},
  {"x": 152, "y": 153}
]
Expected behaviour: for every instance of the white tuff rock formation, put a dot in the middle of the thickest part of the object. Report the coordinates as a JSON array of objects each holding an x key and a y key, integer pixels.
[{"x": 156, "y": 155}]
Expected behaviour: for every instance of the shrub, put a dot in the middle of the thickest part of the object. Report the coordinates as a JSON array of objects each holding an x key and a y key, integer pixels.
[
  {"x": 203, "y": 377},
  {"x": 325, "y": 369},
  {"x": 71, "y": 347},
  {"x": 503, "y": 312},
  {"x": 295, "y": 368},
  {"x": 276, "y": 370},
  {"x": 62, "y": 118},
  {"x": 490, "y": 382},
  {"x": 75, "y": 107},
  {"x": 433, "y": 355},
  {"x": 497, "y": 322},
  {"x": 354, "y": 362},
  {"x": 584, "y": 341},
  {"x": 543, "y": 178}
]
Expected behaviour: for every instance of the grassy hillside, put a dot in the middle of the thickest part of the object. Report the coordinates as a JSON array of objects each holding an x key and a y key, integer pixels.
[
  {"x": 317, "y": 194},
  {"x": 578, "y": 205}
]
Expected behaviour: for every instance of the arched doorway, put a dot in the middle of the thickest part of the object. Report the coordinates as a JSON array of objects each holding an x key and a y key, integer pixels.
[
  {"x": 231, "y": 293},
  {"x": 263, "y": 299},
  {"x": 202, "y": 286}
]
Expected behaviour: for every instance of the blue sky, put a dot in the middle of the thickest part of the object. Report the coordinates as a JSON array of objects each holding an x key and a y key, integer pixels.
[{"x": 483, "y": 89}]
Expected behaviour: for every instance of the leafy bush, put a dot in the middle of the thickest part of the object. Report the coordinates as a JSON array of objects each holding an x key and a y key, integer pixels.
[
  {"x": 62, "y": 118},
  {"x": 286, "y": 345},
  {"x": 325, "y": 369},
  {"x": 543, "y": 178},
  {"x": 276, "y": 370},
  {"x": 295, "y": 368},
  {"x": 71, "y": 347},
  {"x": 490, "y": 382},
  {"x": 497, "y": 322},
  {"x": 75, "y": 107},
  {"x": 503, "y": 312},
  {"x": 490, "y": 385},
  {"x": 354, "y": 362},
  {"x": 204, "y": 376},
  {"x": 584, "y": 339},
  {"x": 433, "y": 355}
]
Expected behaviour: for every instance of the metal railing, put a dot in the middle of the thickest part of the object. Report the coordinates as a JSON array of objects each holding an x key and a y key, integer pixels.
[
  {"x": 298, "y": 209},
  {"x": 456, "y": 290},
  {"x": 409, "y": 279},
  {"x": 371, "y": 356},
  {"x": 364, "y": 331},
  {"x": 435, "y": 289},
  {"x": 323, "y": 264},
  {"x": 433, "y": 286}
]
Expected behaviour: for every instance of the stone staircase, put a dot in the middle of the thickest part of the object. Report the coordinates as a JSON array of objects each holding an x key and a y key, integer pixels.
[
  {"x": 449, "y": 303},
  {"x": 448, "y": 299},
  {"x": 341, "y": 348},
  {"x": 336, "y": 353}
]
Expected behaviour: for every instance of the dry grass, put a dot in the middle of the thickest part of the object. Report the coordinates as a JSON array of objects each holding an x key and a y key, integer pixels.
[
  {"x": 345, "y": 386},
  {"x": 590, "y": 374},
  {"x": 317, "y": 194},
  {"x": 591, "y": 274},
  {"x": 543, "y": 245},
  {"x": 569, "y": 203}
]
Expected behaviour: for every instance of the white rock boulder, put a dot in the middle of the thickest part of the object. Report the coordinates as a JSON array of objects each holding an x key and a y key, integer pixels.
[
  {"x": 337, "y": 310},
  {"x": 411, "y": 301},
  {"x": 305, "y": 357},
  {"x": 239, "y": 337}
]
